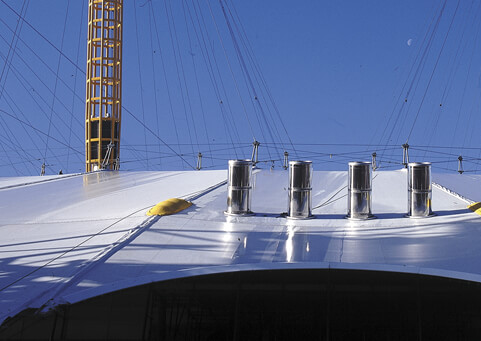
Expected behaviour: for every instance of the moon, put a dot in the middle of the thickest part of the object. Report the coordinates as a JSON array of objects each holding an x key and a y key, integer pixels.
[{"x": 409, "y": 42}]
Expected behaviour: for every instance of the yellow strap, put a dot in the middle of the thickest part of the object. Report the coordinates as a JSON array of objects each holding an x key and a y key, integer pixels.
[
  {"x": 476, "y": 207},
  {"x": 169, "y": 206}
]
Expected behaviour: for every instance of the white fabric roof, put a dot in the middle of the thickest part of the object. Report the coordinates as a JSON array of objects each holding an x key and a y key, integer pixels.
[{"x": 68, "y": 238}]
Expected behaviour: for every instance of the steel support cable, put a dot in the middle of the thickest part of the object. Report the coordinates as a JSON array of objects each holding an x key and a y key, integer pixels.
[
  {"x": 236, "y": 35},
  {"x": 11, "y": 102},
  {"x": 14, "y": 107},
  {"x": 35, "y": 73},
  {"x": 79, "y": 41},
  {"x": 466, "y": 80},
  {"x": 165, "y": 73},
  {"x": 223, "y": 98},
  {"x": 419, "y": 69},
  {"x": 56, "y": 81},
  {"x": 247, "y": 78},
  {"x": 12, "y": 138},
  {"x": 7, "y": 154},
  {"x": 170, "y": 21},
  {"x": 140, "y": 80},
  {"x": 23, "y": 80},
  {"x": 408, "y": 77},
  {"x": 474, "y": 108},
  {"x": 433, "y": 151},
  {"x": 7, "y": 67},
  {"x": 404, "y": 115},
  {"x": 455, "y": 68},
  {"x": 434, "y": 70},
  {"x": 42, "y": 36},
  {"x": 458, "y": 62},
  {"x": 212, "y": 75},
  {"x": 347, "y": 144},
  {"x": 449, "y": 147},
  {"x": 427, "y": 49},
  {"x": 225, "y": 102},
  {"x": 344, "y": 153},
  {"x": 19, "y": 76},
  {"x": 18, "y": 163},
  {"x": 417, "y": 80},
  {"x": 186, "y": 84},
  {"x": 12, "y": 46},
  {"x": 158, "y": 137},
  {"x": 232, "y": 72},
  {"x": 257, "y": 68},
  {"x": 187, "y": 144},
  {"x": 465, "y": 87},
  {"x": 83, "y": 72},
  {"x": 455, "y": 62},
  {"x": 41, "y": 132},
  {"x": 196, "y": 76},
  {"x": 18, "y": 56},
  {"x": 154, "y": 76}
]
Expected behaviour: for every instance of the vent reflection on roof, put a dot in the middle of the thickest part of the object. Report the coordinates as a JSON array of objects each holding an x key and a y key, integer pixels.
[{"x": 239, "y": 190}]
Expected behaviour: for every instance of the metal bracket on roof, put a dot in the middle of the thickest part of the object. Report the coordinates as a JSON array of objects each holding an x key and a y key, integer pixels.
[
  {"x": 405, "y": 155},
  {"x": 199, "y": 161},
  {"x": 373, "y": 161},
  {"x": 255, "y": 152},
  {"x": 460, "y": 165}
]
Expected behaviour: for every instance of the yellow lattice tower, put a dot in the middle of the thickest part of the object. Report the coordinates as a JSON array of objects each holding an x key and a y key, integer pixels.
[{"x": 104, "y": 80}]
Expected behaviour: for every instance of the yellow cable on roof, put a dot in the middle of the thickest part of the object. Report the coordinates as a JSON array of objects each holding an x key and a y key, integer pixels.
[
  {"x": 169, "y": 206},
  {"x": 476, "y": 207}
]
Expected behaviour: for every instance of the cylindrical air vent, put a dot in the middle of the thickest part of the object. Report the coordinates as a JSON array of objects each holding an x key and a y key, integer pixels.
[
  {"x": 419, "y": 190},
  {"x": 239, "y": 187},
  {"x": 359, "y": 196},
  {"x": 300, "y": 178}
]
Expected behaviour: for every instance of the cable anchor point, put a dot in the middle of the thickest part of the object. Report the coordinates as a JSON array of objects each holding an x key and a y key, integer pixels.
[
  {"x": 255, "y": 152},
  {"x": 460, "y": 165},
  {"x": 199, "y": 161},
  {"x": 286, "y": 160},
  {"x": 405, "y": 155},
  {"x": 373, "y": 161}
]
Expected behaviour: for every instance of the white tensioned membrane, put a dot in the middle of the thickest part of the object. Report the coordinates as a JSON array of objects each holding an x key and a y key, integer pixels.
[{"x": 76, "y": 237}]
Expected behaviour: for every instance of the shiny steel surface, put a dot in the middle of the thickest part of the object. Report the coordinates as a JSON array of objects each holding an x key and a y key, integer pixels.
[
  {"x": 419, "y": 190},
  {"x": 359, "y": 189},
  {"x": 71, "y": 239},
  {"x": 300, "y": 179},
  {"x": 239, "y": 187}
]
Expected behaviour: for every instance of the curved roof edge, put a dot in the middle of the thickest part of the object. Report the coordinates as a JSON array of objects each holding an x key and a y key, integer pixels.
[{"x": 106, "y": 289}]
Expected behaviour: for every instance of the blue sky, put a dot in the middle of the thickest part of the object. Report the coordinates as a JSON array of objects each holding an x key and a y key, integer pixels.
[{"x": 346, "y": 78}]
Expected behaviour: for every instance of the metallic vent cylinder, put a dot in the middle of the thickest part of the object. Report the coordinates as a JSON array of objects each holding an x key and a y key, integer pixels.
[
  {"x": 419, "y": 190},
  {"x": 359, "y": 189},
  {"x": 239, "y": 187},
  {"x": 300, "y": 178}
]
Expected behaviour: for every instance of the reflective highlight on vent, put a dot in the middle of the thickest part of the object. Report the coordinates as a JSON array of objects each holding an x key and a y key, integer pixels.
[
  {"x": 239, "y": 187},
  {"x": 359, "y": 196},
  {"x": 419, "y": 190},
  {"x": 300, "y": 179}
]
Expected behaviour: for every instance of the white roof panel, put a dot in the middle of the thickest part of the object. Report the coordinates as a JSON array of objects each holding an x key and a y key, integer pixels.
[{"x": 72, "y": 239}]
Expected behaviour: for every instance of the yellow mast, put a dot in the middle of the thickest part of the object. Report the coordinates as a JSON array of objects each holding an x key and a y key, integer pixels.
[{"x": 104, "y": 85}]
